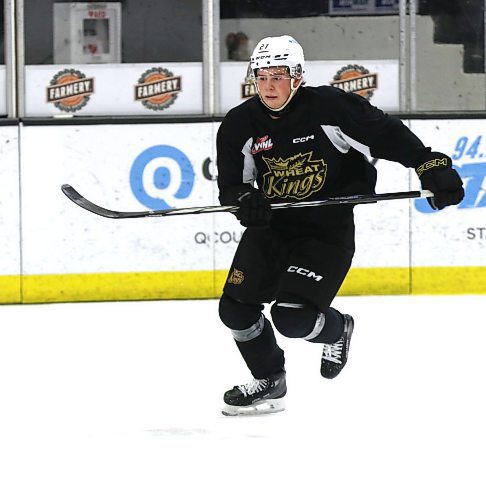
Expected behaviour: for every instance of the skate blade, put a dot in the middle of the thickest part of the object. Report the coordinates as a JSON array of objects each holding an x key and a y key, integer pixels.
[{"x": 261, "y": 408}]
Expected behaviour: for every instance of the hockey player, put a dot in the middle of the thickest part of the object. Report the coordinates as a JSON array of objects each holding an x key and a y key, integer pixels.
[{"x": 294, "y": 143}]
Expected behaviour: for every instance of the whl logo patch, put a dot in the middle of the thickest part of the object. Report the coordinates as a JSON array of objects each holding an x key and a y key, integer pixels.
[
  {"x": 356, "y": 79},
  {"x": 296, "y": 177},
  {"x": 262, "y": 144}
]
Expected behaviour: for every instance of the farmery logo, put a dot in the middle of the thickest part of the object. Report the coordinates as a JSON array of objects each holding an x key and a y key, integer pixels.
[
  {"x": 474, "y": 176},
  {"x": 157, "y": 89},
  {"x": 160, "y": 175},
  {"x": 70, "y": 90}
]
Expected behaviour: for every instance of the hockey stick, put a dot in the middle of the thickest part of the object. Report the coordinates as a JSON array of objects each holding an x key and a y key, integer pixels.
[{"x": 80, "y": 200}]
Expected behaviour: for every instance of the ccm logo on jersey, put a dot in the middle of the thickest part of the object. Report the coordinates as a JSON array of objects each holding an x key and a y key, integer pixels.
[
  {"x": 302, "y": 139},
  {"x": 304, "y": 272}
]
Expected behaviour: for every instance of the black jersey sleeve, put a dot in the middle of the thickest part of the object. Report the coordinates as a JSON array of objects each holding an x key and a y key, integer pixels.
[
  {"x": 385, "y": 136},
  {"x": 235, "y": 169}
]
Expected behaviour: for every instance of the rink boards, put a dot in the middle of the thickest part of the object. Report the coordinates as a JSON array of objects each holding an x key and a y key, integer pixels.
[{"x": 54, "y": 251}]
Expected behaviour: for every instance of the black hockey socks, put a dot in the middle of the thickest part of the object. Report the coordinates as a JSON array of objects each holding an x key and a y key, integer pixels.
[
  {"x": 333, "y": 328},
  {"x": 253, "y": 335},
  {"x": 262, "y": 355}
]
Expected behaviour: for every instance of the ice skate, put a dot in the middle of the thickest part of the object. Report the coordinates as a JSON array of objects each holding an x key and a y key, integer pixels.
[
  {"x": 259, "y": 397},
  {"x": 335, "y": 356}
]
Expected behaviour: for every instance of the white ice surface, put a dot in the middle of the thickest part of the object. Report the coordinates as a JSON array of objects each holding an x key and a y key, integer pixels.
[{"x": 115, "y": 401}]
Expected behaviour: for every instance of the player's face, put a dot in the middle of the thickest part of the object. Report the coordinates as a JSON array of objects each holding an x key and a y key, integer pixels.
[{"x": 274, "y": 86}]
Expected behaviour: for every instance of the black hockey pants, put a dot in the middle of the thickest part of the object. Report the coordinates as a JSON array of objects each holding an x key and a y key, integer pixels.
[{"x": 304, "y": 273}]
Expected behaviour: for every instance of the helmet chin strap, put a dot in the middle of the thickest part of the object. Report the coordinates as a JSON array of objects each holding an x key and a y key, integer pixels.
[{"x": 293, "y": 90}]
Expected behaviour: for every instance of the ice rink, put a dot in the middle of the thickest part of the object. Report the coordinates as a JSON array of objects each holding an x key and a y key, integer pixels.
[{"x": 115, "y": 401}]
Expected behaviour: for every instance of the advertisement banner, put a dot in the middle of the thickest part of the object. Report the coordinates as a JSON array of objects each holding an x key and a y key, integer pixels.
[
  {"x": 375, "y": 80},
  {"x": 363, "y": 7},
  {"x": 127, "y": 167},
  {"x": 71, "y": 254},
  {"x": 151, "y": 167},
  {"x": 114, "y": 89},
  {"x": 402, "y": 246},
  {"x": 455, "y": 236}
]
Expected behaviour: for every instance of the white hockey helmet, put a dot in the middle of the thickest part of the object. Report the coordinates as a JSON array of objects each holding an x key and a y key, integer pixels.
[{"x": 278, "y": 51}]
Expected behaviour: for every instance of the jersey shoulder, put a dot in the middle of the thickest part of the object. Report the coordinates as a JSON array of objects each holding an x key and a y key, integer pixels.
[
  {"x": 325, "y": 103},
  {"x": 243, "y": 111},
  {"x": 334, "y": 98},
  {"x": 325, "y": 91},
  {"x": 236, "y": 124},
  {"x": 335, "y": 106}
]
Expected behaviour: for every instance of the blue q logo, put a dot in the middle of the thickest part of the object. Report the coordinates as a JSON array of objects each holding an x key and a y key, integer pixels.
[{"x": 161, "y": 171}]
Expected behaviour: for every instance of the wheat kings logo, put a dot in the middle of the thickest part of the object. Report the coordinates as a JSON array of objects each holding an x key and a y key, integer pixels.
[
  {"x": 70, "y": 90},
  {"x": 157, "y": 89},
  {"x": 356, "y": 79},
  {"x": 236, "y": 277},
  {"x": 296, "y": 177}
]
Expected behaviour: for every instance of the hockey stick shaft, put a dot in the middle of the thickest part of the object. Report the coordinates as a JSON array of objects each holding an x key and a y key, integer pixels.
[{"x": 357, "y": 199}]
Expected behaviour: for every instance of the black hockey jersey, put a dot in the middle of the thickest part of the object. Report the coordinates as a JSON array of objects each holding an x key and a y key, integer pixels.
[{"x": 316, "y": 150}]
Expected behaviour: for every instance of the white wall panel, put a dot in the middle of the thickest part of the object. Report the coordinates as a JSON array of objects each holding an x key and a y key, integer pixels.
[
  {"x": 382, "y": 229},
  {"x": 9, "y": 202}
]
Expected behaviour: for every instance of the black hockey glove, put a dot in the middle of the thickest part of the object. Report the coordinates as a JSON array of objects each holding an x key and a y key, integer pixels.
[
  {"x": 254, "y": 209},
  {"x": 437, "y": 175}
]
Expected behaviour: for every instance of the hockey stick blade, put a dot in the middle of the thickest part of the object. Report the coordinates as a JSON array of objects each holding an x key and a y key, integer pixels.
[{"x": 357, "y": 199}]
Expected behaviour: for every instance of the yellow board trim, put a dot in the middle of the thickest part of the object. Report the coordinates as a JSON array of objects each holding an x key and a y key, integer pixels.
[
  {"x": 10, "y": 287},
  {"x": 118, "y": 286},
  {"x": 209, "y": 284},
  {"x": 377, "y": 281},
  {"x": 448, "y": 280}
]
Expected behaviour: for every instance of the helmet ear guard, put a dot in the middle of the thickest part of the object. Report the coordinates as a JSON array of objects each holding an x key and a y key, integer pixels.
[{"x": 297, "y": 71}]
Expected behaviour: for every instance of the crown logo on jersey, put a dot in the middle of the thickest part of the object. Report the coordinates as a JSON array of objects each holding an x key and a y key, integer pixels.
[{"x": 296, "y": 177}]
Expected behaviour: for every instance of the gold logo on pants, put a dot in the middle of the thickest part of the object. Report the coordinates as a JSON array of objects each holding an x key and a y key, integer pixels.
[
  {"x": 236, "y": 277},
  {"x": 296, "y": 177}
]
